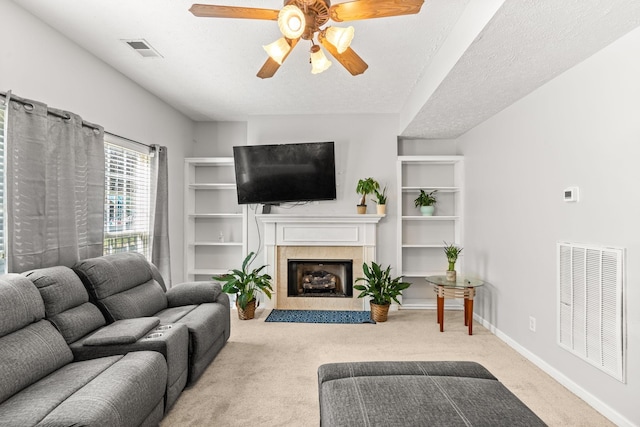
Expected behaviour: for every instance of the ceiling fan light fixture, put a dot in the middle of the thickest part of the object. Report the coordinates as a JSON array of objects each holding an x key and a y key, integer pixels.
[
  {"x": 291, "y": 21},
  {"x": 319, "y": 61},
  {"x": 340, "y": 37},
  {"x": 278, "y": 50}
]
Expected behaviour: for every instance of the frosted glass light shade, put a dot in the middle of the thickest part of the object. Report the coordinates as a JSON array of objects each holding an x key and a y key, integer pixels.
[
  {"x": 319, "y": 62},
  {"x": 291, "y": 21},
  {"x": 340, "y": 37},
  {"x": 278, "y": 50}
]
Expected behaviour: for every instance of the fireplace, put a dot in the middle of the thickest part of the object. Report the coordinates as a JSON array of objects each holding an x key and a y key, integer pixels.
[
  {"x": 323, "y": 239},
  {"x": 319, "y": 278}
]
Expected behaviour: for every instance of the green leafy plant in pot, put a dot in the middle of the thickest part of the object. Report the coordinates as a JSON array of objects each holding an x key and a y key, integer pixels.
[
  {"x": 426, "y": 202},
  {"x": 381, "y": 288},
  {"x": 246, "y": 285},
  {"x": 452, "y": 251},
  {"x": 381, "y": 200},
  {"x": 365, "y": 186}
]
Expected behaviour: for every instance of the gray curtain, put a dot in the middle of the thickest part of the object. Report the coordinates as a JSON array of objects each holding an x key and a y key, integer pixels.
[
  {"x": 160, "y": 216},
  {"x": 55, "y": 187}
]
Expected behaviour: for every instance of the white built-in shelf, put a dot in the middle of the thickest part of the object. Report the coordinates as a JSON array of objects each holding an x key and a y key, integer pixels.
[
  {"x": 207, "y": 271},
  {"x": 428, "y": 246},
  {"x": 216, "y": 243},
  {"x": 419, "y": 246},
  {"x": 212, "y": 213},
  {"x": 421, "y": 274},
  {"x": 216, "y": 215}
]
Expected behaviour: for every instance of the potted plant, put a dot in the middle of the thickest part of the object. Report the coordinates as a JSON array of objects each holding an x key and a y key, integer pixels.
[
  {"x": 381, "y": 200},
  {"x": 246, "y": 285},
  {"x": 426, "y": 202},
  {"x": 365, "y": 187},
  {"x": 381, "y": 288},
  {"x": 452, "y": 251}
]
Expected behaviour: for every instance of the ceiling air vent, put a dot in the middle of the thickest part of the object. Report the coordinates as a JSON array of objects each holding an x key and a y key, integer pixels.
[{"x": 143, "y": 48}]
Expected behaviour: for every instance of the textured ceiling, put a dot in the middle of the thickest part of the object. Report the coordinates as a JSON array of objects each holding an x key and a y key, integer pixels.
[{"x": 208, "y": 65}]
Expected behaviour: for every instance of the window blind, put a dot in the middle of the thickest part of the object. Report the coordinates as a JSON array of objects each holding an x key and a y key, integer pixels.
[{"x": 127, "y": 200}]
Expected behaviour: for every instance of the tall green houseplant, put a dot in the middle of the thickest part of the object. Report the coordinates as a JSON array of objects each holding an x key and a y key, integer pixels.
[
  {"x": 381, "y": 288},
  {"x": 246, "y": 285}
]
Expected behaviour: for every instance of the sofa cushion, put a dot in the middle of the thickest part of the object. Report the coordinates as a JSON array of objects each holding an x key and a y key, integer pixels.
[
  {"x": 109, "y": 275},
  {"x": 60, "y": 288},
  {"x": 33, "y": 403},
  {"x": 122, "y": 285},
  {"x": 114, "y": 391},
  {"x": 66, "y": 302},
  {"x": 30, "y": 354},
  {"x": 20, "y": 303},
  {"x": 142, "y": 301},
  {"x": 125, "y": 331},
  {"x": 123, "y": 395},
  {"x": 193, "y": 293}
]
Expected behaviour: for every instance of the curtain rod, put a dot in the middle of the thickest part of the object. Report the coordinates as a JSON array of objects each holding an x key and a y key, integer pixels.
[
  {"x": 152, "y": 147},
  {"x": 11, "y": 97}
]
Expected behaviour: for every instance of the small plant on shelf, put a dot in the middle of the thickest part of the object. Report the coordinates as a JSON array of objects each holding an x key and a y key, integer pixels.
[
  {"x": 426, "y": 202},
  {"x": 452, "y": 252},
  {"x": 381, "y": 288},
  {"x": 381, "y": 200},
  {"x": 365, "y": 186},
  {"x": 246, "y": 285}
]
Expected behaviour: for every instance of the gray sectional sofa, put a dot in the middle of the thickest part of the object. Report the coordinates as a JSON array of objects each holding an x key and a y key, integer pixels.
[
  {"x": 68, "y": 357},
  {"x": 389, "y": 394}
]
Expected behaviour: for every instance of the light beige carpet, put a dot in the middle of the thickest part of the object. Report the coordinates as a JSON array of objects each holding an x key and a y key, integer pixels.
[{"x": 266, "y": 375}]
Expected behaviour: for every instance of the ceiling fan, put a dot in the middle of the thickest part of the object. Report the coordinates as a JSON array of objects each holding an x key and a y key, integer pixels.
[{"x": 303, "y": 19}]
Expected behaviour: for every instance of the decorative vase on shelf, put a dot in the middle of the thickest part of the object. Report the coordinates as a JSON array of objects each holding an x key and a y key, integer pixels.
[
  {"x": 381, "y": 209},
  {"x": 427, "y": 210},
  {"x": 451, "y": 275}
]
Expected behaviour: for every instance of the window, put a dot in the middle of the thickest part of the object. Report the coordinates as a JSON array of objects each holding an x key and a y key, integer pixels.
[
  {"x": 2, "y": 178},
  {"x": 127, "y": 200}
]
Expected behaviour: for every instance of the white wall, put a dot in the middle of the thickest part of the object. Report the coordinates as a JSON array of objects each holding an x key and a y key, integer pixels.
[
  {"x": 581, "y": 129},
  {"x": 365, "y": 146},
  {"x": 37, "y": 62}
]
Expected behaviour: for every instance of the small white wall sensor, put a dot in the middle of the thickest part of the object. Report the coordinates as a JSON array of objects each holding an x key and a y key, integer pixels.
[{"x": 571, "y": 194}]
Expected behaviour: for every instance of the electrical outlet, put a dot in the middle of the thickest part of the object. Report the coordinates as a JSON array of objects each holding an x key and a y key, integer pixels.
[{"x": 532, "y": 323}]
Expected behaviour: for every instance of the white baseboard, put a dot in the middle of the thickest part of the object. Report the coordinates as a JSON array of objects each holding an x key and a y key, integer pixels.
[{"x": 614, "y": 416}]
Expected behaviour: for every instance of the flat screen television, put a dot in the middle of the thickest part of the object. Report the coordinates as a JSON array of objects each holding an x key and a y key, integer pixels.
[{"x": 277, "y": 173}]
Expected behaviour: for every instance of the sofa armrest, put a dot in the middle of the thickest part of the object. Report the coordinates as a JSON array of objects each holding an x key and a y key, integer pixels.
[
  {"x": 125, "y": 331},
  {"x": 189, "y": 293}
]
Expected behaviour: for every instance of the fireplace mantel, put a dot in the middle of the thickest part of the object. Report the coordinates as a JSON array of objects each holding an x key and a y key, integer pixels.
[
  {"x": 327, "y": 218},
  {"x": 319, "y": 233}
]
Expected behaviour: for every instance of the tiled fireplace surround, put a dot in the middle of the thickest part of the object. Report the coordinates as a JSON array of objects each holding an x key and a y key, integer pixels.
[{"x": 317, "y": 237}]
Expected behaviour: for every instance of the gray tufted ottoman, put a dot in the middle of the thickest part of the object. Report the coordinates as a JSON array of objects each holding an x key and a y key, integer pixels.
[{"x": 417, "y": 394}]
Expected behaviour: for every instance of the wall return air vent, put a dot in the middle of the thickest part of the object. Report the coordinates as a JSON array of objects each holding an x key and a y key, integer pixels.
[{"x": 591, "y": 305}]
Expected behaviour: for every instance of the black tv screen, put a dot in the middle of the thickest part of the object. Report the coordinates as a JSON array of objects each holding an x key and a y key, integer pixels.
[{"x": 272, "y": 174}]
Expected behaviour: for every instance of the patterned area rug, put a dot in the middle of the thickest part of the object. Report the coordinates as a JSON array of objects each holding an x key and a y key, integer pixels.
[{"x": 319, "y": 316}]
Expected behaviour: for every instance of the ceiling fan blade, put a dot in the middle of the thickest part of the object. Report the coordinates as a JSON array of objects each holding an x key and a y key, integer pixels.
[
  {"x": 213, "y": 11},
  {"x": 270, "y": 67},
  {"x": 349, "y": 59},
  {"x": 367, "y": 9}
]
